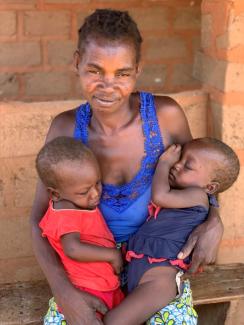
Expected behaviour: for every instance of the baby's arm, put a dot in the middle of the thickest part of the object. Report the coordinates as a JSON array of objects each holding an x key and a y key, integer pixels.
[
  {"x": 165, "y": 196},
  {"x": 80, "y": 251}
]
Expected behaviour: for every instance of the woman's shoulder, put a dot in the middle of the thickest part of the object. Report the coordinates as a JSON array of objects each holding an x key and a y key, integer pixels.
[
  {"x": 62, "y": 125},
  {"x": 172, "y": 119},
  {"x": 166, "y": 105}
]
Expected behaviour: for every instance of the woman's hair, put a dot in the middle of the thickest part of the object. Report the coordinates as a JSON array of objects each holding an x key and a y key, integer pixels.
[
  {"x": 226, "y": 171},
  {"x": 60, "y": 150},
  {"x": 111, "y": 25}
]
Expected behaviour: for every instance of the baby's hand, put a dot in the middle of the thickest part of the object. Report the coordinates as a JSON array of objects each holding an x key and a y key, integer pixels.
[
  {"x": 172, "y": 154},
  {"x": 117, "y": 261}
]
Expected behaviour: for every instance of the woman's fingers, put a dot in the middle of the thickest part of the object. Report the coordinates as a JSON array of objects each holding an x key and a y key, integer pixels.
[{"x": 188, "y": 247}]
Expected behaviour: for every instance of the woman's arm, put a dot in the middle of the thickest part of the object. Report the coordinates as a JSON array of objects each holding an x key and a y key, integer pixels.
[
  {"x": 205, "y": 239},
  {"x": 78, "y": 307}
]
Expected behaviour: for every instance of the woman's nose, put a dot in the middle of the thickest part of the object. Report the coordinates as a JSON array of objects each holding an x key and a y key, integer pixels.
[{"x": 108, "y": 81}]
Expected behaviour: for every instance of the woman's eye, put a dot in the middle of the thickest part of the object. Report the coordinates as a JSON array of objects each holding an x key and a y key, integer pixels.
[
  {"x": 94, "y": 72},
  {"x": 188, "y": 167},
  {"x": 123, "y": 74}
]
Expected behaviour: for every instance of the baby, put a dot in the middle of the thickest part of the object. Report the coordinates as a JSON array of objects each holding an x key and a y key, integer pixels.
[
  {"x": 74, "y": 225},
  {"x": 185, "y": 182}
]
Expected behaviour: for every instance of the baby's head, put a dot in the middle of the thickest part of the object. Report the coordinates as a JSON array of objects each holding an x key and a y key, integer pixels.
[
  {"x": 207, "y": 163},
  {"x": 70, "y": 171},
  {"x": 110, "y": 25}
]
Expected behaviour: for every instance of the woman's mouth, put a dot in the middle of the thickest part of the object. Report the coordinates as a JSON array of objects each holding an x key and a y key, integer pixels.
[{"x": 105, "y": 101}]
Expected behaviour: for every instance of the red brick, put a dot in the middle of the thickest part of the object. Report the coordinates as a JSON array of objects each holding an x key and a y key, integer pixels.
[
  {"x": 47, "y": 23},
  {"x": 183, "y": 75},
  {"x": 231, "y": 208},
  {"x": 61, "y": 52},
  {"x": 234, "y": 35},
  {"x": 165, "y": 48},
  {"x": 47, "y": 83},
  {"x": 229, "y": 124},
  {"x": 19, "y": 269},
  {"x": 194, "y": 104},
  {"x": 24, "y": 177},
  {"x": 7, "y": 23},
  {"x": 155, "y": 18},
  {"x": 206, "y": 30},
  {"x": 196, "y": 45},
  {"x": 81, "y": 16},
  {"x": 234, "y": 77},
  {"x": 24, "y": 121},
  {"x": 20, "y": 54},
  {"x": 210, "y": 71},
  {"x": 67, "y": 1},
  {"x": 1, "y": 193},
  {"x": 152, "y": 76},
  {"x": 15, "y": 239},
  {"x": 18, "y": 1},
  {"x": 231, "y": 254},
  {"x": 9, "y": 85},
  {"x": 188, "y": 18}
]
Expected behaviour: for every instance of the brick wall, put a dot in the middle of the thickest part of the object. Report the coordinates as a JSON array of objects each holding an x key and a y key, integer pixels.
[
  {"x": 38, "y": 38},
  {"x": 220, "y": 67}
]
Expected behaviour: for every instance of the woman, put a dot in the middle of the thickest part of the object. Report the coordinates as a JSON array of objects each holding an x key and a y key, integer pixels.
[{"x": 127, "y": 132}]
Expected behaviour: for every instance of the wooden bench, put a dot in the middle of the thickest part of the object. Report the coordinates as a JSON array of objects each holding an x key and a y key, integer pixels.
[{"x": 216, "y": 293}]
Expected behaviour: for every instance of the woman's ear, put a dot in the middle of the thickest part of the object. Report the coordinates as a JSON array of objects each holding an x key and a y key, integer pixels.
[
  {"x": 76, "y": 60},
  {"x": 138, "y": 69},
  {"x": 212, "y": 187},
  {"x": 53, "y": 194}
]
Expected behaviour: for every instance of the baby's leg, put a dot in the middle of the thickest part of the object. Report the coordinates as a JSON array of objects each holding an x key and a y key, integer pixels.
[{"x": 156, "y": 289}]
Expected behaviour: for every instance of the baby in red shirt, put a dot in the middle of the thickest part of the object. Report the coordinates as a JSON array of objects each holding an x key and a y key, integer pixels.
[{"x": 73, "y": 224}]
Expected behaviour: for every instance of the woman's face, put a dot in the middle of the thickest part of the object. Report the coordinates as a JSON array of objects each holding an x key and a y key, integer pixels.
[{"x": 108, "y": 73}]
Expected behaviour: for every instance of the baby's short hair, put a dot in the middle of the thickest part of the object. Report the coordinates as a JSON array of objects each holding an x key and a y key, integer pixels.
[
  {"x": 226, "y": 172},
  {"x": 61, "y": 149},
  {"x": 110, "y": 25}
]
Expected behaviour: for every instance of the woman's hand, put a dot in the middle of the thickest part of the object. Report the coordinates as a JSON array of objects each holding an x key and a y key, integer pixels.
[
  {"x": 79, "y": 307},
  {"x": 204, "y": 242}
]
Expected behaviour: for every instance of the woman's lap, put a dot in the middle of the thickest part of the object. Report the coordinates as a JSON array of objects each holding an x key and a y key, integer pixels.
[{"x": 179, "y": 312}]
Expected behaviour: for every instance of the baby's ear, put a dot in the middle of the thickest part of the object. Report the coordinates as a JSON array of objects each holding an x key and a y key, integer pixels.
[
  {"x": 212, "y": 187},
  {"x": 53, "y": 194}
]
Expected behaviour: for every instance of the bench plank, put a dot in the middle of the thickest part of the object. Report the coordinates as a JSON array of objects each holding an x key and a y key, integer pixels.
[
  {"x": 219, "y": 283},
  {"x": 26, "y": 303}
]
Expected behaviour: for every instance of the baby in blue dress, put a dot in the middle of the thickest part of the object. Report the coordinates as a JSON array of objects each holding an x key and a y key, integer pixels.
[{"x": 185, "y": 183}]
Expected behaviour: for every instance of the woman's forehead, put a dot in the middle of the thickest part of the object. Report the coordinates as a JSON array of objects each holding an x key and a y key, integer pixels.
[{"x": 97, "y": 51}]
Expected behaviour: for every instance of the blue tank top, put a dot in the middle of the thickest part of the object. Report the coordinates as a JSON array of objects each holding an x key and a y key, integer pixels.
[{"x": 125, "y": 207}]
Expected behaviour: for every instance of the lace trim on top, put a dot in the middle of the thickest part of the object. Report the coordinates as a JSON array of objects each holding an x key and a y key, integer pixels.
[{"x": 120, "y": 197}]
